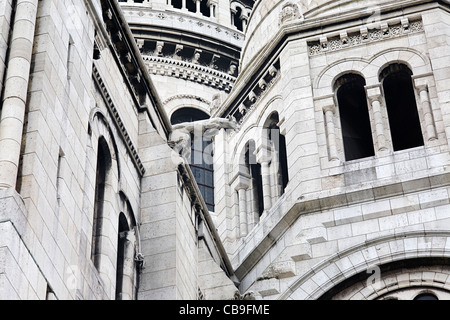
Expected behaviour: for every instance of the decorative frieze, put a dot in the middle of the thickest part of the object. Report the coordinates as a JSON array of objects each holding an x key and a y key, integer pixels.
[
  {"x": 189, "y": 71},
  {"x": 259, "y": 90},
  {"x": 348, "y": 39}
]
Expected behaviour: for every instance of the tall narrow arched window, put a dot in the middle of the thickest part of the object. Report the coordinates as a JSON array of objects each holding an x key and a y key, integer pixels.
[
  {"x": 254, "y": 170},
  {"x": 279, "y": 160},
  {"x": 401, "y": 106},
  {"x": 354, "y": 116},
  {"x": 103, "y": 167},
  {"x": 201, "y": 154},
  {"x": 121, "y": 256}
]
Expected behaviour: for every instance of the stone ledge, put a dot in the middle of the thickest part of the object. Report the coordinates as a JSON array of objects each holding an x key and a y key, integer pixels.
[{"x": 330, "y": 202}]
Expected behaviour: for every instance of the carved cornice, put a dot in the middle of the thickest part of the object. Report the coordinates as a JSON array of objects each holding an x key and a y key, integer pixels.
[
  {"x": 118, "y": 121},
  {"x": 365, "y": 35},
  {"x": 186, "y": 96},
  {"x": 189, "y": 71},
  {"x": 257, "y": 91}
]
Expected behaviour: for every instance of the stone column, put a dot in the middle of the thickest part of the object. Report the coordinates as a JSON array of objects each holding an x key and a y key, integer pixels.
[
  {"x": 212, "y": 8},
  {"x": 375, "y": 98},
  {"x": 267, "y": 194},
  {"x": 244, "y": 19},
  {"x": 15, "y": 90},
  {"x": 127, "y": 289},
  {"x": 422, "y": 87},
  {"x": 243, "y": 221},
  {"x": 233, "y": 16},
  {"x": 329, "y": 111},
  {"x": 241, "y": 184},
  {"x": 197, "y": 6}
]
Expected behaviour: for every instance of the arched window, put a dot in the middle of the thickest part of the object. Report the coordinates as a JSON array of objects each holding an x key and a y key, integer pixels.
[
  {"x": 354, "y": 116},
  {"x": 237, "y": 21},
  {"x": 103, "y": 167},
  {"x": 121, "y": 247},
  {"x": 201, "y": 154},
  {"x": 401, "y": 106},
  {"x": 254, "y": 171},
  {"x": 278, "y": 144},
  {"x": 426, "y": 296}
]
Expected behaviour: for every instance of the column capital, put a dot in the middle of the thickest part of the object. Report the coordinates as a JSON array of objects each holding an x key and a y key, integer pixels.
[
  {"x": 329, "y": 108},
  {"x": 373, "y": 92},
  {"x": 242, "y": 180},
  {"x": 263, "y": 154},
  {"x": 242, "y": 183},
  {"x": 325, "y": 103},
  {"x": 422, "y": 81}
]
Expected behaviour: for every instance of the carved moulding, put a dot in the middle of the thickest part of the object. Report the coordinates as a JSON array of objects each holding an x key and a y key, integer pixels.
[{"x": 363, "y": 36}]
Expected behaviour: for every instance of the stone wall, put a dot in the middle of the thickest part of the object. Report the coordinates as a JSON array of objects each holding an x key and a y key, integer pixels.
[{"x": 350, "y": 214}]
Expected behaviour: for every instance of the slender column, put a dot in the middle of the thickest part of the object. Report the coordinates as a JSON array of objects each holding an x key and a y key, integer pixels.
[
  {"x": 374, "y": 95},
  {"x": 233, "y": 16},
  {"x": 128, "y": 265},
  {"x": 197, "y": 6},
  {"x": 267, "y": 194},
  {"x": 183, "y": 4},
  {"x": 244, "y": 22},
  {"x": 243, "y": 221},
  {"x": 427, "y": 112},
  {"x": 15, "y": 91},
  {"x": 331, "y": 132}
]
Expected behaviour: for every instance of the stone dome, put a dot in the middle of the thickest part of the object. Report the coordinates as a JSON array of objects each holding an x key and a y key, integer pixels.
[{"x": 268, "y": 16}]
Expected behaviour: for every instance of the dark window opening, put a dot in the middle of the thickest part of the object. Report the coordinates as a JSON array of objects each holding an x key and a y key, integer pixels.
[
  {"x": 279, "y": 142},
  {"x": 401, "y": 105},
  {"x": 202, "y": 151},
  {"x": 191, "y": 5},
  {"x": 354, "y": 115},
  {"x": 123, "y": 228},
  {"x": 204, "y": 8},
  {"x": 426, "y": 296},
  {"x": 103, "y": 166},
  {"x": 254, "y": 169},
  {"x": 237, "y": 19},
  {"x": 177, "y": 4}
]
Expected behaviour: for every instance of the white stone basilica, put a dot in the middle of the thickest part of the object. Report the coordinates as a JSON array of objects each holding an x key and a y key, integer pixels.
[{"x": 225, "y": 149}]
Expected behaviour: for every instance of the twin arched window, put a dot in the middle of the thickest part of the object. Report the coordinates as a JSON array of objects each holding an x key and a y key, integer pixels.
[
  {"x": 262, "y": 181},
  {"x": 401, "y": 106}
]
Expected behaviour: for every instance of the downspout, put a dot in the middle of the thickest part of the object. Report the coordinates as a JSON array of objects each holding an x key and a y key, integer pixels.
[{"x": 16, "y": 90}]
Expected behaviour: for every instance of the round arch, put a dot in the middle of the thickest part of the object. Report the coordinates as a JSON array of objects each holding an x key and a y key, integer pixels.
[
  {"x": 100, "y": 127},
  {"x": 362, "y": 258},
  {"x": 127, "y": 210},
  {"x": 173, "y": 104},
  {"x": 370, "y": 68}
]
